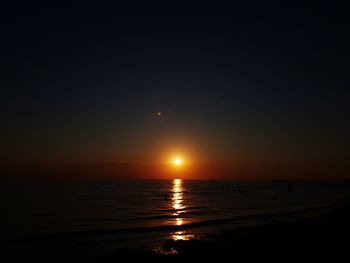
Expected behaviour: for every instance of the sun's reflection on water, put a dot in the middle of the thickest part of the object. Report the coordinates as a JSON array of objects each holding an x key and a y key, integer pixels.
[
  {"x": 179, "y": 221},
  {"x": 182, "y": 235},
  {"x": 177, "y": 202}
]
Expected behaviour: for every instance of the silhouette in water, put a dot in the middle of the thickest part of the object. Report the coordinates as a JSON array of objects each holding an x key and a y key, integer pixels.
[{"x": 290, "y": 188}]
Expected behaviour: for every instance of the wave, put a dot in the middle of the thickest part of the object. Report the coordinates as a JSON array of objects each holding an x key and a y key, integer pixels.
[{"x": 204, "y": 223}]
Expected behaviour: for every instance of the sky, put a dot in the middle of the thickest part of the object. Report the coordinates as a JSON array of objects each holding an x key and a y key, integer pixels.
[{"x": 246, "y": 90}]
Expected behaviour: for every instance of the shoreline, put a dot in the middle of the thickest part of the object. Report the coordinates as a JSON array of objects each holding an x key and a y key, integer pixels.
[
  {"x": 309, "y": 231},
  {"x": 166, "y": 228},
  {"x": 324, "y": 235}
]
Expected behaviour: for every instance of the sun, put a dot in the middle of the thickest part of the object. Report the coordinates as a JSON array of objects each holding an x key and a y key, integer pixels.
[{"x": 177, "y": 161}]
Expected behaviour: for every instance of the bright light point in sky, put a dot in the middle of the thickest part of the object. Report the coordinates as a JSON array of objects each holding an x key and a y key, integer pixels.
[
  {"x": 159, "y": 114},
  {"x": 177, "y": 161}
]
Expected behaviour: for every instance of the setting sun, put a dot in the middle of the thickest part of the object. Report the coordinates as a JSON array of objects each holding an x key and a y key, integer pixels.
[{"x": 177, "y": 161}]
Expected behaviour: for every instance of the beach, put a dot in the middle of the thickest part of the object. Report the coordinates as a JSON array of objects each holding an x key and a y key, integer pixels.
[
  {"x": 322, "y": 237},
  {"x": 174, "y": 131},
  {"x": 97, "y": 222}
]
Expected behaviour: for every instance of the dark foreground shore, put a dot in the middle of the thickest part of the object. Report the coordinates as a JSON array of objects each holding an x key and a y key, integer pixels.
[{"x": 324, "y": 237}]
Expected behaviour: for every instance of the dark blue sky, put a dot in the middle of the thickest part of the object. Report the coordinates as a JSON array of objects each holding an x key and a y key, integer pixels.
[{"x": 252, "y": 81}]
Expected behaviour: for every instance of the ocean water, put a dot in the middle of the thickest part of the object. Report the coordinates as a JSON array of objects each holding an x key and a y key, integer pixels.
[{"x": 98, "y": 216}]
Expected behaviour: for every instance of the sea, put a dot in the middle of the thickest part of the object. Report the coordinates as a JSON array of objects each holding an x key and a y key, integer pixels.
[{"x": 74, "y": 220}]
